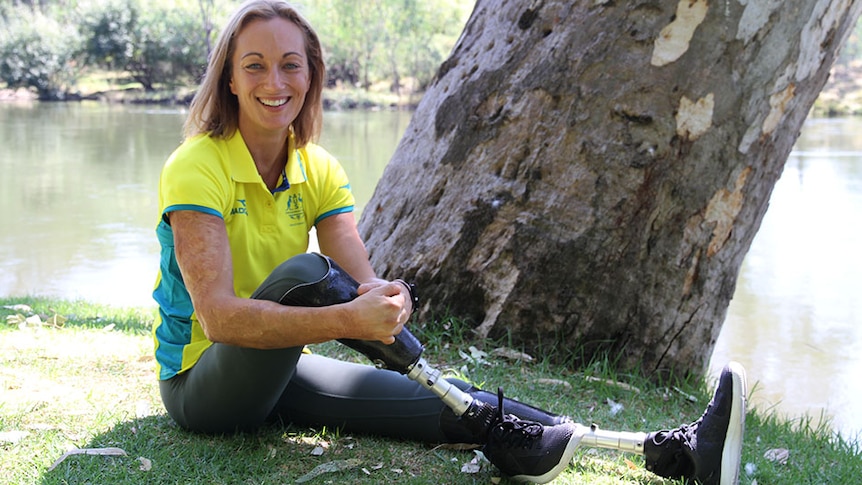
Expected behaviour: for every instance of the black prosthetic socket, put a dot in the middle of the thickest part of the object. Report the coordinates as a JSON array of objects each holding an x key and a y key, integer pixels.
[
  {"x": 667, "y": 457},
  {"x": 325, "y": 283}
]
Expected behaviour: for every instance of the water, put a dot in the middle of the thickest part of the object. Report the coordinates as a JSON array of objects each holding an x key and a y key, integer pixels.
[
  {"x": 795, "y": 321},
  {"x": 79, "y": 192},
  {"x": 79, "y": 211}
]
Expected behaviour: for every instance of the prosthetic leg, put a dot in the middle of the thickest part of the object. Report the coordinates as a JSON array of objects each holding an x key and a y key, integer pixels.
[
  {"x": 315, "y": 280},
  {"x": 319, "y": 281}
]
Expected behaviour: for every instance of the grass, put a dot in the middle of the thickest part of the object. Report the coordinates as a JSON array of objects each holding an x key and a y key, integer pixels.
[{"x": 84, "y": 378}]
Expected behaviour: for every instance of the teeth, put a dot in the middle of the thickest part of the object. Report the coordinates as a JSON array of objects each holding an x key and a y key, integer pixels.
[{"x": 273, "y": 102}]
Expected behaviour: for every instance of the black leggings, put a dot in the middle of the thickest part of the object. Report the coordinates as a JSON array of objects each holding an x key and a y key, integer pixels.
[{"x": 238, "y": 389}]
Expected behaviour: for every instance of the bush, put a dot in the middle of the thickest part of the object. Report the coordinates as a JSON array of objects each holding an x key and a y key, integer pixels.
[
  {"x": 155, "y": 45},
  {"x": 38, "y": 52}
]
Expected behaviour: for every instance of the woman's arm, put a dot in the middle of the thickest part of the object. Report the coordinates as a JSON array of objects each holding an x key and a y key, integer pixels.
[{"x": 204, "y": 257}]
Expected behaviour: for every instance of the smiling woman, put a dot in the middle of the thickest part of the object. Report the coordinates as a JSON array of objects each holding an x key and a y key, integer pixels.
[
  {"x": 270, "y": 78},
  {"x": 237, "y": 200}
]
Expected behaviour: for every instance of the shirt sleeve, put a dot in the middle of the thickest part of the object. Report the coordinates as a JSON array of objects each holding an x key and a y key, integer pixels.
[
  {"x": 195, "y": 177},
  {"x": 331, "y": 182}
]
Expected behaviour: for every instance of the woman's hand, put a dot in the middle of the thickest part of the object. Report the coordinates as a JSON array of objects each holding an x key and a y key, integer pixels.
[{"x": 381, "y": 309}]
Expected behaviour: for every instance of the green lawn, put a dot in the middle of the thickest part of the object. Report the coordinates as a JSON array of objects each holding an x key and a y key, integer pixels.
[{"x": 82, "y": 377}]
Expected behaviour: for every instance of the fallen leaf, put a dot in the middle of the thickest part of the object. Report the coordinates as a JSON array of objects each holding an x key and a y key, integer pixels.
[
  {"x": 20, "y": 307},
  {"x": 554, "y": 382},
  {"x": 777, "y": 455},
  {"x": 56, "y": 320},
  {"x": 474, "y": 465},
  {"x": 616, "y": 407},
  {"x": 685, "y": 395},
  {"x": 630, "y": 464},
  {"x": 330, "y": 467},
  {"x": 34, "y": 321},
  {"x": 146, "y": 465},
  {"x": 88, "y": 451},
  {"x": 511, "y": 354},
  {"x": 610, "y": 382},
  {"x": 750, "y": 469}
]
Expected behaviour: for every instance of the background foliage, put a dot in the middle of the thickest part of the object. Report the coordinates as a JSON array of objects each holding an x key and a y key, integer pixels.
[{"x": 49, "y": 45}]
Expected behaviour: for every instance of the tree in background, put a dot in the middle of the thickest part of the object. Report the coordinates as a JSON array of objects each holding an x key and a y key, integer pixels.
[
  {"x": 154, "y": 45},
  {"x": 166, "y": 43},
  {"x": 386, "y": 40},
  {"x": 38, "y": 52}
]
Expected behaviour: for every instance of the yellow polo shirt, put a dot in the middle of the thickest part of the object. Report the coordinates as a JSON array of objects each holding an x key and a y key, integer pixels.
[{"x": 217, "y": 176}]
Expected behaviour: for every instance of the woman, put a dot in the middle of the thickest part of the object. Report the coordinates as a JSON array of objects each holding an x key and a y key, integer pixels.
[{"x": 238, "y": 198}]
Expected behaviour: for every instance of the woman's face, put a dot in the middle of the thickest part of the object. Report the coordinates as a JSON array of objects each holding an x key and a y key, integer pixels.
[{"x": 270, "y": 76}]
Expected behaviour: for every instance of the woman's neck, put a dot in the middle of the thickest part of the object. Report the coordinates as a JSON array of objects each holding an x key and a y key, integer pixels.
[{"x": 270, "y": 157}]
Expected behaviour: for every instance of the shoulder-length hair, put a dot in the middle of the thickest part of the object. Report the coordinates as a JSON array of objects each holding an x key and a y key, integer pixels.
[{"x": 215, "y": 110}]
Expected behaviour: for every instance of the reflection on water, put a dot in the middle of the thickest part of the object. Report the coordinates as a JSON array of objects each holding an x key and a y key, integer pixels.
[
  {"x": 79, "y": 210},
  {"x": 78, "y": 199},
  {"x": 79, "y": 194},
  {"x": 795, "y": 318}
]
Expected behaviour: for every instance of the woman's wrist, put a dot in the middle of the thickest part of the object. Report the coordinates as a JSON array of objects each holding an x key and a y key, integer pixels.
[{"x": 414, "y": 296}]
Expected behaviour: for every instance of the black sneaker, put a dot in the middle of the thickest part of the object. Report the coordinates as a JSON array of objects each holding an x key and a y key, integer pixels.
[
  {"x": 710, "y": 449},
  {"x": 528, "y": 451}
]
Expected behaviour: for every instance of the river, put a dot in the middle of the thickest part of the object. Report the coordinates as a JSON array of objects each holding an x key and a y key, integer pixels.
[{"x": 80, "y": 206}]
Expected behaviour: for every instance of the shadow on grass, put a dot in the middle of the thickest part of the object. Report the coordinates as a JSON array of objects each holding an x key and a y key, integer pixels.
[{"x": 158, "y": 451}]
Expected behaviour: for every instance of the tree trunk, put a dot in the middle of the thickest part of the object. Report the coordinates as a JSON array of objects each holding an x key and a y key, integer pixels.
[{"x": 587, "y": 176}]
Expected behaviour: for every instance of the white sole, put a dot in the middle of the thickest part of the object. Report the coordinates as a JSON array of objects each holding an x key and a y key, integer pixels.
[
  {"x": 571, "y": 446},
  {"x": 731, "y": 455}
]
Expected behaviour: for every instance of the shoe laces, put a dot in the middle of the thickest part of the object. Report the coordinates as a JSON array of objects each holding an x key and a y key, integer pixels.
[
  {"x": 511, "y": 430},
  {"x": 685, "y": 435}
]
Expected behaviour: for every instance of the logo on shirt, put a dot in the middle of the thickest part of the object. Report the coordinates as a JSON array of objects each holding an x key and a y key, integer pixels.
[
  {"x": 240, "y": 208},
  {"x": 294, "y": 207}
]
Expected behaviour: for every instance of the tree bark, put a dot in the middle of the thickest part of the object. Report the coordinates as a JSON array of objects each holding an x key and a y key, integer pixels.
[{"x": 587, "y": 176}]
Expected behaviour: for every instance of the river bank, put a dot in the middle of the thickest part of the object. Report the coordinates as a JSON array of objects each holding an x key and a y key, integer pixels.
[
  {"x": 842, "y": 95},
  {"x": 333, "y": 99}
]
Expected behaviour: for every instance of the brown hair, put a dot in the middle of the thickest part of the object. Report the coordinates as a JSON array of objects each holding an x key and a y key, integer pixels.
[{"x": 215, "y": 110}]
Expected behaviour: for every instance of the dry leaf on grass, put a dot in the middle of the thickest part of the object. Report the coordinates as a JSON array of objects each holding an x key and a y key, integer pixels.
[
  {"x": 331, "y": 467},
  {"x": 146, "y": 464},
  {"x": 20, "y": 307},
  {"x": 777, "y": 455},
  {"x": 474, "y": 465},
  {"x": 554, "y": 382},
  {"x": 621, "y": 385},
  {"x": 511, "y": 354},
  {"x": 88, "y": 451}
]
